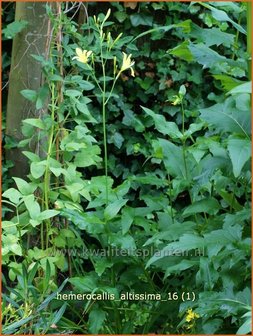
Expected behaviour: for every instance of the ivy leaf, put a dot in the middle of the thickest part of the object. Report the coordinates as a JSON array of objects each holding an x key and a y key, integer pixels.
[
  {"x": 120, "y": 16},
  {"x": 240, "y": 152},
  {"x": 141, "y": 19},
  {"x": 14, "y": 28}
]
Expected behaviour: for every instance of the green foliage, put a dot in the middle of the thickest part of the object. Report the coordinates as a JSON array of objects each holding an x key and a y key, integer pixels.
[{"x": 155, "y": 166}]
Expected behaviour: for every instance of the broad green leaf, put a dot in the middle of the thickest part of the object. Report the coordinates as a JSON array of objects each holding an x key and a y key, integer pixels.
[
  {"x": 181, "y": 266},
  {"x": 85, "y": 85},
  {"x": 141, "y": 19},
  {"x": 31, "y": 156},
  {"x": 47, "y": 214},
  {"x": 35, "y": 122},
  {"x": 172, "y": 157},
  {"x": 24, "y": 187},
  {"x": 225, "y": 117},
  {"x": 127, "y": 219},
  {"x": 222, "y": 16},
  {"x": 38, "y": 169},
  {"x": 32, "y": 206},
  {"x": 84, "y": 221},
  {"x": 228, "y": 83},
  {"x": 101, "y": 265},
  {"x": 13, "y": 195},
  {"x": 42, "y": 96},
  {"x": 73, "y": 93},
  {"x": 86, "y": 284},
  {"x": 205, "y": 55},
  {"x": 182, "y": 51},
  {"x": 240, "y": 152},
  {"x": 208, "y": 205},
  {"x": 112, "y": 209},
  {"x": 185, "y": 25},
  {"x": 230, "y": 199},
  {"x": 88, "y": 156},
  {"x": 186, "y": 242},
  {"x": 96, "y": 320},
  {"x": 245, "y": 328},
  {"x": 163, "y": 126},
  {"x": 213, "y": 36},
  {"x": 243, "y": 88},
  {"x": 29, "y": 95}
]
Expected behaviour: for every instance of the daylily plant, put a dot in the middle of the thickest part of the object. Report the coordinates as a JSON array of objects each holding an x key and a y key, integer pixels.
[{"x": 127, "y": 63}]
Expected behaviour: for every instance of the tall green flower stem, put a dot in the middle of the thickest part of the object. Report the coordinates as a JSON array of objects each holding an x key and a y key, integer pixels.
[
  {"x": 249, "y": 37},
  {"x": 127, "y": 63},
  {"x": 47, "y": 171}
]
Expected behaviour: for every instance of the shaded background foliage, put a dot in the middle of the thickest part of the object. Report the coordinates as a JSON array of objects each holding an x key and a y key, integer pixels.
[{"x": 202, "y": 203}]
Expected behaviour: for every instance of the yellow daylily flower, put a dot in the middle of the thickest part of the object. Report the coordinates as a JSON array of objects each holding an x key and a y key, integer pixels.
[
  {"x": 82, "y": 55},
  {"x": 127, "y": 63}
]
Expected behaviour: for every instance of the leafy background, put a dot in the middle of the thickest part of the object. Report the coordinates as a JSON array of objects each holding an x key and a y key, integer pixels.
[{"x": 179, "y": 176}]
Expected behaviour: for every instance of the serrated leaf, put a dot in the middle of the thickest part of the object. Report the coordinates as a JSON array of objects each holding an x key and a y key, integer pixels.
[
  {"x": 112, "y": 209},
  {"x": 208, "y": 205},
  {"x": 240, "y": 152},
  {"x": 163, "y": 126},
  {"x": 185, "y": 243},
  {"x": 227, "y": 118}
]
